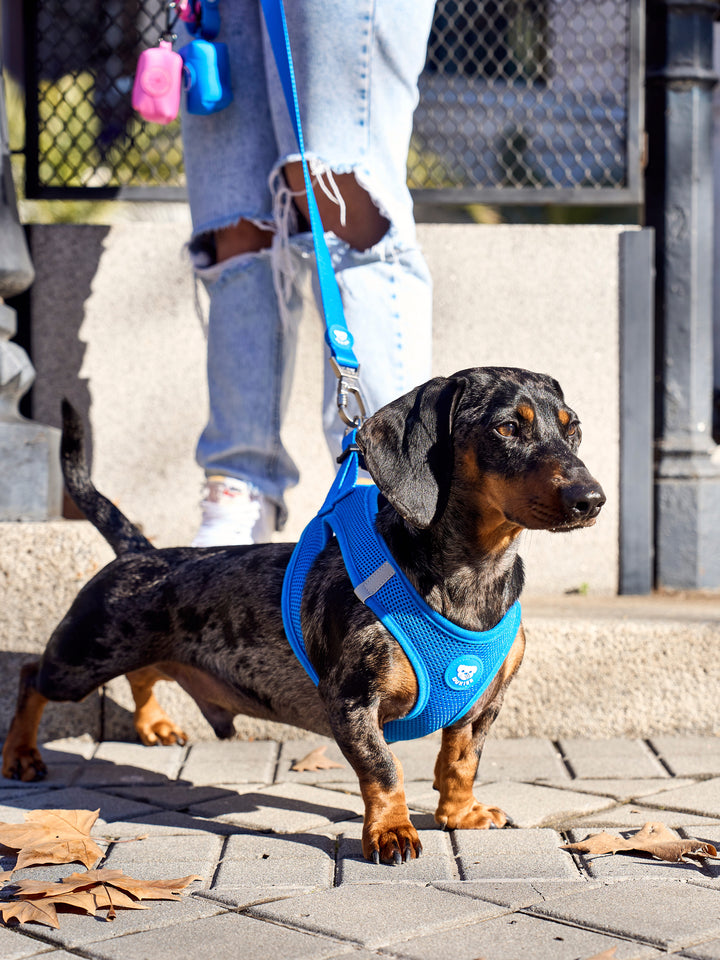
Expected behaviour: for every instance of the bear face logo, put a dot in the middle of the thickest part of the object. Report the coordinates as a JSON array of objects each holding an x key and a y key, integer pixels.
[{"x": 466, "y": 672}]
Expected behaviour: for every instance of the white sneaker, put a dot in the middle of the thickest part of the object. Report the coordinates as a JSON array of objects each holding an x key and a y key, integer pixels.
[{"x": 234, "y": 512}]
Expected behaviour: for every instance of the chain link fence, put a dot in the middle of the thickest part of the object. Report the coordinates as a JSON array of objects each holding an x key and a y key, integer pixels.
[
  {"x": 536, "y": 98},
  {"x": 521, "y": 101}
]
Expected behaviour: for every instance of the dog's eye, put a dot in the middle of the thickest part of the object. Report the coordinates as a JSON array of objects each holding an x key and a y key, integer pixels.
[
  {"x": 508, "y": 429},
  {"x": 573, "y": 429}
]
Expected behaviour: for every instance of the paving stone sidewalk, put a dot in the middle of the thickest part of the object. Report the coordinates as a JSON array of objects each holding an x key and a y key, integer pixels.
[{"x": 283, "y": 875}]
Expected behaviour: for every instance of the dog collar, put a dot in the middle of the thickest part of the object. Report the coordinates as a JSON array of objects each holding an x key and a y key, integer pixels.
[{"x": 453, "y": 666}]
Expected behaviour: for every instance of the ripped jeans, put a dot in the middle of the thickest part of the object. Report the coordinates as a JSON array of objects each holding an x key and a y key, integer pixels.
[{"x": 357, "y": 64}]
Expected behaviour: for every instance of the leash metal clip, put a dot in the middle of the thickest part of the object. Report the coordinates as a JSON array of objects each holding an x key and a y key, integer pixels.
[{"x": 348, "y": 386}]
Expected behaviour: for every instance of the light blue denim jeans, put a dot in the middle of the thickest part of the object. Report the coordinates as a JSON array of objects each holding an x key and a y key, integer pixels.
[{"x": 357, "y": 63}]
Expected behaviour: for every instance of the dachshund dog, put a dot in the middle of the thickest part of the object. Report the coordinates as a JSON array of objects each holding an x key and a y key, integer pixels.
[{"x": 463, "y": 464}]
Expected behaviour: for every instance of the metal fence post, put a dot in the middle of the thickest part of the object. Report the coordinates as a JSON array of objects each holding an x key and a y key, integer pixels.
[{"x": 679, "y": 194}]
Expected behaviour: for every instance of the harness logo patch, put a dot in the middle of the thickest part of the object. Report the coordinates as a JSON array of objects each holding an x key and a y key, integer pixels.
[{"x": 464, "y": 673}]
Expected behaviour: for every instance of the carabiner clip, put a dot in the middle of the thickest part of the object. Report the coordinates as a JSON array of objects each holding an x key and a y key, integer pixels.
[
  {"x": 171, "y": 18},
  {"x": 349, "y": 386}
]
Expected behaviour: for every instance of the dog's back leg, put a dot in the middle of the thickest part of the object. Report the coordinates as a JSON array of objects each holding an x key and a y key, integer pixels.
[
  {"x": 21, "y": 757},
  {"x": 153, "y": 725}
]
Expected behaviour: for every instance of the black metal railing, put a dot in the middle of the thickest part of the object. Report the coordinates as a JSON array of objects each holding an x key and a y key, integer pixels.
[{"x": 522, "y": 101}]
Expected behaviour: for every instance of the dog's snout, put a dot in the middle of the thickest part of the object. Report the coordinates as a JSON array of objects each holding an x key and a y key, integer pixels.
[{"x": 583, "y": 500}]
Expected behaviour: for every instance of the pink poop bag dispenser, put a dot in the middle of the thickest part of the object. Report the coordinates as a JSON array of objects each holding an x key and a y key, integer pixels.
[{"x": 158, "y": 82}]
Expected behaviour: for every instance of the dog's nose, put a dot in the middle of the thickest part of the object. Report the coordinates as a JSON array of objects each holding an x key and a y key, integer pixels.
[{"x": 583, "y": 501}]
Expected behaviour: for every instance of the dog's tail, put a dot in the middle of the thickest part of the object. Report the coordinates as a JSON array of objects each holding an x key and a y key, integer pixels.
[{"x": 120, "y": 533}]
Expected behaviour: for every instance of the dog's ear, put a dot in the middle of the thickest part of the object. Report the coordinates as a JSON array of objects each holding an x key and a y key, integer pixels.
[{"x": 408, "y": 449}]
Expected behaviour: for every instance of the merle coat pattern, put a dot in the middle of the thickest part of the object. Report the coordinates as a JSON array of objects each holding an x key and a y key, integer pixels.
[{"x": 464, "y": 464}]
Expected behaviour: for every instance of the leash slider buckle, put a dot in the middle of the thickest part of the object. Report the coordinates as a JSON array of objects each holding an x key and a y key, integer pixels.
[{"x": 348, "y": 387}]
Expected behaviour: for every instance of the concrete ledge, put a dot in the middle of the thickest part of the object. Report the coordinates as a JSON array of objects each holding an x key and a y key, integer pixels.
[
  {"x": 595, "y": 666},
  {"x": 42, "y": 567},
  {"x": 612, "y": 667}
]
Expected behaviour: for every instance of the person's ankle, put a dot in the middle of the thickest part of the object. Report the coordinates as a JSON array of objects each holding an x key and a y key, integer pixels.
[{"x": 234, "y": 512}]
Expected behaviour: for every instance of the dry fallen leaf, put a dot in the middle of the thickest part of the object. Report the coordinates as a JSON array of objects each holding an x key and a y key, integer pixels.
[
  {"x": 52, "y": 836},
  {"x": 139, "y": 889},
  {"x": 605, "y": 955},
  {"x": 654, "y": 838},
  {"x": 37, "y": 901},
  {"x": 315, "y": 760},
  {"x": 27, "y": 911}
]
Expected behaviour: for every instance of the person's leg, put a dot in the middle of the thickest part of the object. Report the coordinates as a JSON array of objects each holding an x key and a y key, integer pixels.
[
  {"x": 357, "y": 76},
  {"x": 251, "y": 344}
]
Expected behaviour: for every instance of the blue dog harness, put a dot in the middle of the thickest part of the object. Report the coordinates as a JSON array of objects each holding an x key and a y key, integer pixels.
[{"x": 453, "y": 666}]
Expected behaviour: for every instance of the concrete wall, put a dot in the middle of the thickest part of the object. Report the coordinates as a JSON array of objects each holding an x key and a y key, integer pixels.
[{"x": 117, "y": 327}]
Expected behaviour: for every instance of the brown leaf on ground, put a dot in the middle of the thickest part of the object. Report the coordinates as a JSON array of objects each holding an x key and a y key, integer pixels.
[
  {"x": 37, "y": 901},
  {"x": 52, "y": 836},
  {"x": 655, "y": 839},
  {"x": 605, "y": 955},
  {"x": 315, "y": 760},
  {"x": 29, "y": 911},
  {"x": 139, "y": 889}
]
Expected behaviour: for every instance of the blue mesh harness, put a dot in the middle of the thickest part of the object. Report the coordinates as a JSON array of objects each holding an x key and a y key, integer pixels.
[{"x": 453, "y": 666}]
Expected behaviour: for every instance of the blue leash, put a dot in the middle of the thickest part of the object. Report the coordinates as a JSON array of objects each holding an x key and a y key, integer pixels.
[
  {"x": 453, "y": 666},
  {"x": 337, "y": 334}
]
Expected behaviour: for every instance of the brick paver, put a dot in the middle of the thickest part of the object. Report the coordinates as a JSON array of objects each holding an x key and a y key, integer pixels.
[
  {"x": 702, "y": 798},
  {"x": 611, "y": 758},
  {"x": 529, "y": 759},
  {"x": 375, "y": 915},
  {"x": 224, "y": 937},
  {"x": 513, "y": 855},
  {"x": 534, "y": 805},
  {"x": 704, "y": 951},
  {"x": 282, "y": 873},
  {"x": 689, "y": 756},
  {"x": 282, "y": 808},
  {"x": 667, "y": 915},
  {"x": 511, "y": 937},
  {"x": 634, "y": 815}
]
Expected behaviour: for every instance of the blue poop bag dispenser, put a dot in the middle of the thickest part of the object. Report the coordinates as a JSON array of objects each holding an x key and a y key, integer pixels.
[{"x": 206, "y": 64}]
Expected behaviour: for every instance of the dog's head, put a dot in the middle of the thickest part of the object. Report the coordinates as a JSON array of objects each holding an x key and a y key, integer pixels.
[{"x": 501, "y": 438}]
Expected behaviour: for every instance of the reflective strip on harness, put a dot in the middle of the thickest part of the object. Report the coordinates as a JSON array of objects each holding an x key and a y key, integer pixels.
[{"x": 374, "y": 582}]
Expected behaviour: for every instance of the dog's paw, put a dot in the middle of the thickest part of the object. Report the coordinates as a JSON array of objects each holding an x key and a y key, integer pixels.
[
  {"x": 164, "y": 732},
  {"x": 24, "y": 764},
  {"x": 472, "y": 816},
  {"x": 397, "y": 844}
]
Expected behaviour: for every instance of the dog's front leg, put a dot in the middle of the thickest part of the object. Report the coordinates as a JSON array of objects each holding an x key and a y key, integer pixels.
[
  {"x": 460, "y": 752},
  {"x": 455, "y": 771},
  {"x": 387, "y": 833}
]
